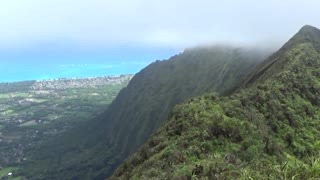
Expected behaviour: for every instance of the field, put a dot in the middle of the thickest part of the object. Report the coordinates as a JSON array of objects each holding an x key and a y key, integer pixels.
[{"x": 30, "y": 116}]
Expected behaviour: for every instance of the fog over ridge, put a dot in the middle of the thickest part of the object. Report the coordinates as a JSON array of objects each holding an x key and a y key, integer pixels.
[{"x": 165, "y": 23}]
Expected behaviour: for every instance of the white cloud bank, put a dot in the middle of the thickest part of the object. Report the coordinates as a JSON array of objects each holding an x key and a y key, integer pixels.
[{"x": 165, "y": 23}]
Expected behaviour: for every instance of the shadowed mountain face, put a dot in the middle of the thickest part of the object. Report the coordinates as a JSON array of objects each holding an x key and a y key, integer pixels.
[
  {"x": 95, "y": 150},
  {"x": 268, "y": 129}
]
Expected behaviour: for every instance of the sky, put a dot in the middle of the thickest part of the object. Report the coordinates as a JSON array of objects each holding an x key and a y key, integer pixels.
[{"x": 141, "y": 31}]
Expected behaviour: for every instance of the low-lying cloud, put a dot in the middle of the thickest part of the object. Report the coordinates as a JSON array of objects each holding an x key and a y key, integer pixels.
[{"x": 159, "y": 23}]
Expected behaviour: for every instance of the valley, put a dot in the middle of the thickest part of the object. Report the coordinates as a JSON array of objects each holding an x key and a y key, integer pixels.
[
  {"x": 214, "y": 112},
  {"x": 94, "y": 150},
  {"x": 267, "y": 129},
  {"x": 159, "y": 90},
  {"x": 33, "y": 111}
]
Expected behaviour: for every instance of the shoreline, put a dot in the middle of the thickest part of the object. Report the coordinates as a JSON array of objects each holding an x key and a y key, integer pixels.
[{"x": 67, "y": 78}]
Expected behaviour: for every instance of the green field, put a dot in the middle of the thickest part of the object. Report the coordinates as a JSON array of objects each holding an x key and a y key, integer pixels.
[
  {"x": 4, "y": 172},
  {"x": 29, "y": 117},
  {"x": 4, "y": 96}
]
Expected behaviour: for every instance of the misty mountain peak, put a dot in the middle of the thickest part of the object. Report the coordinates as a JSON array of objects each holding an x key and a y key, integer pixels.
[
  {"x": 307, "y": 33},
  {"x": 308, "y": 29},
  {"x": 276, "y": 63}
]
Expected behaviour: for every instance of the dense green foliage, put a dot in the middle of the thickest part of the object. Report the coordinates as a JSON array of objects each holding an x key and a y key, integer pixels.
[
  {"x": 29, "y": 116},
  {"x": 269, "y": 129},
  {"x": 95, "y": 150}
]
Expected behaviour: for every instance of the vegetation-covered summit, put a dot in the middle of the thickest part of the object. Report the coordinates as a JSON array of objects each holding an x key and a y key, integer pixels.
[
  {"x": 96, "y": 149},
  {"x": 269, "y": 129}
]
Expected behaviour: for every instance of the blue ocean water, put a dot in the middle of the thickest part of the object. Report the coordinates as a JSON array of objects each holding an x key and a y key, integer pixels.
[
  {"x": 20, "y": 72},
  {"x": 43, "y": 64}
]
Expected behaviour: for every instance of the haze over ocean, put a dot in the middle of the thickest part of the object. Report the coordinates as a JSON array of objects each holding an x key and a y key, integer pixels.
[
  {"x": 27, "y": 71},
  {"x": 37, "y": 66},
  {"x": 43, "y": 39}
]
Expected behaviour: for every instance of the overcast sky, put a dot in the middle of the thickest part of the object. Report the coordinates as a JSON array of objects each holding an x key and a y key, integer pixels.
[{"x": 159, "y": 23}]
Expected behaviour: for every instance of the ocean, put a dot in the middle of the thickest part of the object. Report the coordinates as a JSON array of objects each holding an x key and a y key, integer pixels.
[
  {"x": 34, "y": 71},
  {"x": 43, "y": 66}
]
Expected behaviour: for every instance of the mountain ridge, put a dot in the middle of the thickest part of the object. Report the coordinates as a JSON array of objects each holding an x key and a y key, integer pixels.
[
  {"x": 268, "y": 129},
  {"x": 139, "y": 109},
  {"x": 306, "y": 33}
]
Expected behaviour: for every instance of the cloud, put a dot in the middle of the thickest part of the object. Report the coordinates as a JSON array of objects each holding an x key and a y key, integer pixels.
[{"x": 165, "y": 23}]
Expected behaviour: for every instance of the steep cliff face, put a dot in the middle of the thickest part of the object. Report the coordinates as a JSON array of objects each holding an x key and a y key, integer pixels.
[
  {"x": 95, "y": 150},
  {"x": 269, "y": 129},
  {"x": 156, "y": 89}
]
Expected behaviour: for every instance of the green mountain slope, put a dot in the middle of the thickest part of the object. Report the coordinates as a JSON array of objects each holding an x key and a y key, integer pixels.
[
  {"x": 269, "y": 129},
  {"x": 95, "y": 150}
]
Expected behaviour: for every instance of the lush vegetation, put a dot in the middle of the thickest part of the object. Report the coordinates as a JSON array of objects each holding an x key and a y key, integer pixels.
[
  {"x": 95, "y": 149},
  {"x": 268, "y": 129},
  {"x": 30, "y": 116}
]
